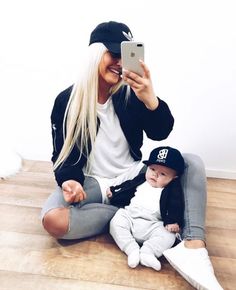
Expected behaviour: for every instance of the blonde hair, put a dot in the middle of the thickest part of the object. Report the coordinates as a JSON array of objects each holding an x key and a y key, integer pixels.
[{"x": 80, "y": 118}]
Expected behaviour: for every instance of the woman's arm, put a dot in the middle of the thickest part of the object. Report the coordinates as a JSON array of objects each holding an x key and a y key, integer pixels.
[{"x": 71, "y": 168}]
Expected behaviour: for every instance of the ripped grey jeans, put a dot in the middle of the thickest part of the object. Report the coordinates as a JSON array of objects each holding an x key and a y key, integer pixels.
[{"x": 91, "y": 217}]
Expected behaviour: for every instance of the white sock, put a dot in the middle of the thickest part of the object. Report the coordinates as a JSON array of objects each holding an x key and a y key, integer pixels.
[
  {"x": 151, "y": 261},
  {"x": 133, "y": 258}
]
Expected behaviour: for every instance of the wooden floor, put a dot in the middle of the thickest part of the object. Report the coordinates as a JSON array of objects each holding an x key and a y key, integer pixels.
[{"x": 31, "y": 259}]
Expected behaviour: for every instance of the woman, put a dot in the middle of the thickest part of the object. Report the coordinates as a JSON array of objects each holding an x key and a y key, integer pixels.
[{"x": 97, "y": 128}]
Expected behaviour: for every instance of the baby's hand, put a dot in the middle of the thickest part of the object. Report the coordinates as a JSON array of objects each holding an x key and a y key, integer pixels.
[
  {"x": 173, "y": 228},
  {"x": 109, "y": 193}
]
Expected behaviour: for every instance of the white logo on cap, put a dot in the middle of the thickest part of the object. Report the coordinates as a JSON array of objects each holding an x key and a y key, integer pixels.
[
  {"x": 162, "y": 154},
  {"x": 128, "y": 35}
]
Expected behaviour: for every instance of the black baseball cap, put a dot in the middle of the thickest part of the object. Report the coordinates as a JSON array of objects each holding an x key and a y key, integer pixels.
[
  {"x": 167, "y": 156},
  {"x": 111, "y": 34}
]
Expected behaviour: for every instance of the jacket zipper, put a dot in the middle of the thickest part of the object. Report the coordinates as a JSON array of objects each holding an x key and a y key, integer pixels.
[{"x": 54, "y": 136}]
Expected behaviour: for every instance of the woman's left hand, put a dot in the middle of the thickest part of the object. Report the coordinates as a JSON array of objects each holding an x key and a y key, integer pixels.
[{"x": 142, "y": 86}]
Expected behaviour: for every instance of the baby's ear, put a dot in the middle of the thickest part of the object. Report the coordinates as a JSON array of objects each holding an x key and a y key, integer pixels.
[{"x": 176, "y": 176}]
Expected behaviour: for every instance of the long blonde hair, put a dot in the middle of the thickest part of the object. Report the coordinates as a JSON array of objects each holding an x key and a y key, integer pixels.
[{"x": 80, "y": 118}]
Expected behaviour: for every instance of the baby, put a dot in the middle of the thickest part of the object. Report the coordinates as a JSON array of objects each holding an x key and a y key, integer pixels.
[{"x": 146, "y": 227}]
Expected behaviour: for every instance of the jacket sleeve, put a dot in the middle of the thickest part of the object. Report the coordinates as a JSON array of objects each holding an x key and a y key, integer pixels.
[
  {"x": 159, "y": 123},
  {"x": 57, "y": 117},
  {"x": 122, "y": 194},
  {"x": 71, "y": 168},
  {"x": 172, "y": 204}
]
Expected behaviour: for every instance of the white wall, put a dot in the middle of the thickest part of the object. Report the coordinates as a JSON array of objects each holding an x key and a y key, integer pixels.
[{"x": 190, "y": 50}]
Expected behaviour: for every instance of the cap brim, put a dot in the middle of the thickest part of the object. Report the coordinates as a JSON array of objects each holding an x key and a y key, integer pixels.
[
  {"x": 113, "y": 47},
  {"x": 146, "y": 162}
]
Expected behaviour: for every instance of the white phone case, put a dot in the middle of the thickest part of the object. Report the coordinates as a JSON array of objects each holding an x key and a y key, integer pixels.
[{"x": 131, "y": 52}]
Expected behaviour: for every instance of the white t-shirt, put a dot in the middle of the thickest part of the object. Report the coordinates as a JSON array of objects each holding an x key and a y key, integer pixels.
[
  {"x": 110, "y": 159},
  {"x": 147, "y": 197}
]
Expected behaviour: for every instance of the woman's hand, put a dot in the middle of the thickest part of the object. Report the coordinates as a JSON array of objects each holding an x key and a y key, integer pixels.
[
  {"x": 142, "y": 86},
  {"x": 173, "y": 228},
  {"x": 73, "y": 191}
]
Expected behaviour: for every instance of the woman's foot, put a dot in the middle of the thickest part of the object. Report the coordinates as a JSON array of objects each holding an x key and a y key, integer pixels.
[
  {"x": 194, "y": 264},
  {"x": 194, "y": 244}
]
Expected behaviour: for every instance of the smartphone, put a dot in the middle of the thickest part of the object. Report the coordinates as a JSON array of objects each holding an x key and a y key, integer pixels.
[{"x": 131, "y": 53}]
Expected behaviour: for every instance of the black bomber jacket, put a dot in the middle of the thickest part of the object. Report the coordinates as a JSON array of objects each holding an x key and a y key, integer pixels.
[{"x": 134, "y": 119}]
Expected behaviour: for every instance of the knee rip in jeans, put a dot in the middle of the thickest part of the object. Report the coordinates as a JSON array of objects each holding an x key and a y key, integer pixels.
[{"x": 55, "y": 222}]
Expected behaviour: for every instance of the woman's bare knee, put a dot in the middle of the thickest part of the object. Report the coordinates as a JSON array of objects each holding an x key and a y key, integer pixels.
[{"x": 56, "y": 222}]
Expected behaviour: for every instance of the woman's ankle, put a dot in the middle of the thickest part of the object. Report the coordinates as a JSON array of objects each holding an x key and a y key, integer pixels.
[{"x": 194, "y": 244}]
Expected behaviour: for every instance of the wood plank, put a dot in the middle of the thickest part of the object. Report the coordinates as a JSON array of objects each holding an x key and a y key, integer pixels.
[
  {"x": 221, "y": 185},
  {"x": 15, "y": 194},
  {"x": 221, "y": 218},
  {"x": 88, "y": 263},
  {"x": 43, "y": 255},
  {"x": 21, "y": 219},
  {"x": 221, "y": 242},
  {"x": 37, "y": 179},
  {"x": 222, "y": 200},
  {"x": 17, "y": 240},
  {"x": 37, "y": 166},
  {"x": 23, "y": 281}
]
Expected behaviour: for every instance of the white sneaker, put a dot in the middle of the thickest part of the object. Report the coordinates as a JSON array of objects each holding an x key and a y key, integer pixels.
[{"x": 194, "y": 265}]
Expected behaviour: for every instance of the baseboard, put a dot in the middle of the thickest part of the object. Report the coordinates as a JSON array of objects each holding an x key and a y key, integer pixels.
[{"x": 221, "y": 174}]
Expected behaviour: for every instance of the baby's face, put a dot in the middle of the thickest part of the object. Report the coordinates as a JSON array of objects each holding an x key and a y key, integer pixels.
[{"x": 159, "y": 175}]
